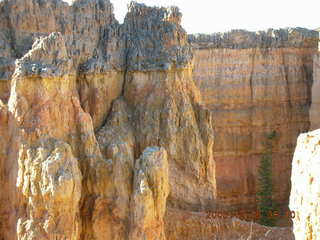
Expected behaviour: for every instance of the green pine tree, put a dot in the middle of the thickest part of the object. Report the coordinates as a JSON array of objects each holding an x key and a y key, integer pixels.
[{"x": 266, "y": 205}]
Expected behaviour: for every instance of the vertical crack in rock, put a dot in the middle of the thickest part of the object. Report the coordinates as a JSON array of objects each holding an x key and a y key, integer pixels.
[
  {"x": 286, "y": 77},
  {"x": 126, "y": 63},
  {"x": 117, "y": 143}
]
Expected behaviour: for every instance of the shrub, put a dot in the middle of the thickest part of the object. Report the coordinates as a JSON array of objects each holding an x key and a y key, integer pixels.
[{"x": 266, "y": 205}]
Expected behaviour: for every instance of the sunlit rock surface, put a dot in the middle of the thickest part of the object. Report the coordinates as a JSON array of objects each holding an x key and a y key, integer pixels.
[
  {"x": 254, "y": 83},
  {"x": 108, "y": 130},
  {"x": 305, "y": 190}
]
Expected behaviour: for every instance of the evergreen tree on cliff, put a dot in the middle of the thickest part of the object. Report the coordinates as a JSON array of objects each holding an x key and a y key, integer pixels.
[{"x": 265, "y": 201}]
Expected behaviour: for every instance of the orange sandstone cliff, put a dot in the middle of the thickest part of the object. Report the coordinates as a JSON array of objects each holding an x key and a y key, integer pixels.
[
  {"x": 94, "y": 115},
  {"x": 135, "y": 130},
  {"x": 315, "y": 105},
  {"x": 305, "y": 189},
  {"x": 255, "y": 83}
]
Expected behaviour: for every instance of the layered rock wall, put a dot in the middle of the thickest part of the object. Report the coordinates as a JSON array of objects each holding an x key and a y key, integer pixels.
[
  {"x": 254, "y": 83},
  {"x": 315, "y": 105}
]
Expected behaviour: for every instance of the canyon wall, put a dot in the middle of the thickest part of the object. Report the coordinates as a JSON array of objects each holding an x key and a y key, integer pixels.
[
  {"x": 305, "y": 190},
  {"x": 254, "y": 83},
  {"x": 104, "y": 133},
  {"x": 315, "y": 105}
]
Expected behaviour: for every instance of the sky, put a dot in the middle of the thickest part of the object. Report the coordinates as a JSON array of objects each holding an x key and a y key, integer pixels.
[{"x": 209, "y": 16}]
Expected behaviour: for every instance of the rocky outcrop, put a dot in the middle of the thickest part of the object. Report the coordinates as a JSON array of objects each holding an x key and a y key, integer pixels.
[
  {"x": 305, "y": 198},
  {"x": 132, "y": 83},
  {"x": 103, "y": 128},
  {"x": 315, "y": 103},
  {"x": 54, "y": 168},
  {"x": 89, "y": 30},
  {"x": 116, "y": 140},
  {"x": 254, "y": 83},
  {"x": 165, "y": 103},
  {"x": 150, "y": 191}
]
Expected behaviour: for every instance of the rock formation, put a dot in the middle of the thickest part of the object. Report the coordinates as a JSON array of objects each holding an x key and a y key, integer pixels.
[
  {"x": 50, "y": 134},
  {"x": 165, "y": 104},
  {"x": 305, "y": 197},
  {"x": 132, "y": 83},
  {"x": 315, "y": 106},
  {"x": 150, "y": 190},
  {"x": 104, "y": 134},
  {"x": 254, "y": 83}
]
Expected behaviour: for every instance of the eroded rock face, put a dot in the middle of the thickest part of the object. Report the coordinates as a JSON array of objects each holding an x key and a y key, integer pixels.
[
  {"x": 315, "y": 105},
  {"x": 102, "y": 126},
  {"x": 117, "y": 141},
  {"x": 90, "y": 33},
  {"x": 49, "y": 177},
  {"x": 254, "y": 83},
  {"x": 54, "y": 160},
  {"x": 304, "y": 197},
  {"x": 62, "y": 89},
  {"x": 4, "y": 142},
  {"x": 53, "y": 191},
  {"x": 150, "y": 192}
]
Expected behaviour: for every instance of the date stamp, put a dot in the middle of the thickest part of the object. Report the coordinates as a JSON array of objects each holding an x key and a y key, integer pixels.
[{"x": 254, "y": 215}]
